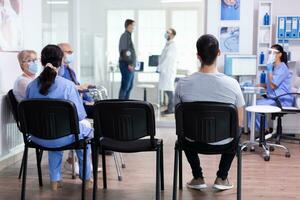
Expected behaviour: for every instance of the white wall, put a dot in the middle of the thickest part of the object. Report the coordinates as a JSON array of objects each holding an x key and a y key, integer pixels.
[
  {"x": 32, "y": 29},
  {"x": 10, "y": 139},
  {"x": 214, "y": 23}
]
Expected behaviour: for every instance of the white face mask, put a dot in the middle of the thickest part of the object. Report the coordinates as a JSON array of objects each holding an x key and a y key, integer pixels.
[{"x": 271, "y": 58}]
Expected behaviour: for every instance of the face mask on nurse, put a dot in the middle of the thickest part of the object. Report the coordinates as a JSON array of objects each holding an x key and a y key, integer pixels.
[{"x": 272, "y": 56}]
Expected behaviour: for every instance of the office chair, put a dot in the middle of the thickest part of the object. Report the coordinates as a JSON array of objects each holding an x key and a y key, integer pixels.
[
  {"x": 203, "y": 123},
  {"x": 121, "y": 126},
  {"x": 50, "y": 119},
  {"x": 13, "y": 105},
  {"x": 294, "y": 109}
]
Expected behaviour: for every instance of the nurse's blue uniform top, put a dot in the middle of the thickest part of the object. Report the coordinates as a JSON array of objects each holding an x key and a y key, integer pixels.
[
  {"x": 65, "y": 90},
  {"x": 282, "y": 78}
]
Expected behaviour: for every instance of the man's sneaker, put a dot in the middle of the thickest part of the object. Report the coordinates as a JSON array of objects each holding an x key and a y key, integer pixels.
[
  {"x": 222, "y": 184},
  {"x": 197, "y": 184},
  {"x": 166, "y": 112}
]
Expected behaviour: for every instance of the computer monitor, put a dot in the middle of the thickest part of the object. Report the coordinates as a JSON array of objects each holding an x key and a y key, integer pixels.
[
  {"x": 139, "y": 66},
  {"x": 153, "y": 61},
  {"x": 240, "y": 65}
]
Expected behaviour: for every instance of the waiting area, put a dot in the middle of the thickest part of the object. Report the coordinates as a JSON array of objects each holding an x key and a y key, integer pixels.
[{"x": 149, "y": 100}]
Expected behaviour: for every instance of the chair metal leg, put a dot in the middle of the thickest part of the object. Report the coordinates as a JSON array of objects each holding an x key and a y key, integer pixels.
[
  {"x": 104, "y": 169},
  {"x": 24, "y": 173},
  {"x": 239, "y": 173},
  {"x": 158, "y": 166},
  {"x": 38, "y": 164},
  {"x": 122, "y": 160},
  {"x": 73, "y": 164},
  {"x": 162, "y": 178},
  {"x": 95, "y": 155},
  {"x": 84, "y": 171},
  {"x": 180, "y": 169},
  {"x": 117, "y": 166},
  {"x": 279, "y": 130},
  {"x": 175, "y": 175},
  {"x": 22, "y": 165}
]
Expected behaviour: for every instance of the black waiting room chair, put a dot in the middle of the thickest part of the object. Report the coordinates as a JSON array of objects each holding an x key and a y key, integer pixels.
[
  {"x": 127, "y": 127},
  {"x": 50, "y": 119},
  {"x": 13, "y": 105},
  {"x": 200, "y": 123}
]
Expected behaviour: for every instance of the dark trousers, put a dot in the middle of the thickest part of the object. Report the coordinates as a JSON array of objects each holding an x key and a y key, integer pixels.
[
  {"x": 127, "y": 81},
  {"x": 170, "y": 95},
  {"x": 224, "y": 165}
]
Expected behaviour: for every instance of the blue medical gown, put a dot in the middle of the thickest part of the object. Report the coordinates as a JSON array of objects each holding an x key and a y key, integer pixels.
[{"x": 66, "y": 90}]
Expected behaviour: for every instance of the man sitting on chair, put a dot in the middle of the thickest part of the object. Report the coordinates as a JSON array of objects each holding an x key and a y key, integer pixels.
[{"x": 212, "y": 86}]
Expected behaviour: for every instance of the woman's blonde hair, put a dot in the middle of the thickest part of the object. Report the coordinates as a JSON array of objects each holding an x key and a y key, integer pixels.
[{"x": 23, "y": 55}]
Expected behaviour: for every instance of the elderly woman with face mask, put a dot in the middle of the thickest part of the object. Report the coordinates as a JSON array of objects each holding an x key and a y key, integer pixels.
[{"x": 30, "y": 66}]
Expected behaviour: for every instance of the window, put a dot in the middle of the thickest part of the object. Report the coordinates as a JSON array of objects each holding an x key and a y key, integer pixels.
[
  {"x": 151, "y": 29},
  {"x": 115, "y": 28},
  {"x": 185, "y": 23},
  {"x": 55, "y": 22}
]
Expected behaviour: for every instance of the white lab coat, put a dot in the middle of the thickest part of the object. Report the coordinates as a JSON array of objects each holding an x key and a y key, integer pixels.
[{"x": 167, "y": 67}]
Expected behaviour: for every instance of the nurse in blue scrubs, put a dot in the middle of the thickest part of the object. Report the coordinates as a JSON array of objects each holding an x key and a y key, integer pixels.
[
  {"x": 278, "y": 80},
  {"x": 49, "y": 85}
]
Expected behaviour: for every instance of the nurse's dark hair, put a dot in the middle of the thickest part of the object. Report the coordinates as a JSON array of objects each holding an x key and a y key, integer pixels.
[
  {"x": 51, "y": 55},
  {"x": 284, "y": 57},
  {"x": 207, "y": 49}
]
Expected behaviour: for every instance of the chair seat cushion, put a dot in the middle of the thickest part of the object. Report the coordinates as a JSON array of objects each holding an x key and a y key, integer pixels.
[{"x": 130, "y": 146}]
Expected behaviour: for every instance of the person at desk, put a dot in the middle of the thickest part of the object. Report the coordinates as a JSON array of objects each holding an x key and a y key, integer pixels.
[
  {"x": 30, "y": 66},
  {"x": 210, "y": 85},
  {"x": 167, "y": 69},
  {"x": 278, "y": 80},
  {"x": 50, "y": 85},
  {"x": 127, "y": 60},
  {"x": 67, "y": 72}
]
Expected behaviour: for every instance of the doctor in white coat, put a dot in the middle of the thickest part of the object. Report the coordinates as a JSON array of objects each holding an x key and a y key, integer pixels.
[{"x": 167, "y": 68}]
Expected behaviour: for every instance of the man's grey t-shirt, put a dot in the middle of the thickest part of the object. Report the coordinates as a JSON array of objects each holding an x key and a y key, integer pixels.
[{"x": 215, "y": 87}]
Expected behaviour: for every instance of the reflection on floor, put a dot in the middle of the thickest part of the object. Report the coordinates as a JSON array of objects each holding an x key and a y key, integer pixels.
[{"x": 276, "y": 180}]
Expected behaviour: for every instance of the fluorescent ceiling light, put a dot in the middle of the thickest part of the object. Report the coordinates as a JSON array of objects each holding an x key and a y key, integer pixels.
[
  {"x": 179, "y": 1},
  {"x": 58, "y": 2}
]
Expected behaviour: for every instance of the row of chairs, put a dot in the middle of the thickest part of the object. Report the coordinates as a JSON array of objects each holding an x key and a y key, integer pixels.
[{"x": 129, "y": 127}]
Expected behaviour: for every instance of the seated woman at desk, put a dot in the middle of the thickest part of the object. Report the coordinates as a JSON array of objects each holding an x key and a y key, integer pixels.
[
  {"x": 30, "y": 66},
  {"x": 278, "y": 81},
  {"x": 50, "y": 85}
]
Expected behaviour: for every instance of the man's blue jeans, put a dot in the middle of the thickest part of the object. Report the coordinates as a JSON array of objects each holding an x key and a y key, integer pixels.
[{"x": 127, "y": 80}]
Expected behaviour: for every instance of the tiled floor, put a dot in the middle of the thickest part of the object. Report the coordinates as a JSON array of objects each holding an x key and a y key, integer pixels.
[{"x": 274, "y": 180}]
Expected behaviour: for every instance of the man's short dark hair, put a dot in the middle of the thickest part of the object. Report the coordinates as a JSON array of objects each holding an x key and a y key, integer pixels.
[
  {"x": 173, "y": 31},
  {"x": 128, "y": 22},
  {"x": 207, "y": 49}
]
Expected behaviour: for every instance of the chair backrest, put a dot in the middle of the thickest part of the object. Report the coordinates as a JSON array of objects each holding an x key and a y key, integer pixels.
[
  {"x": 13, "y": 104},
  {"x": 124, "y": 120},
  {"x": 48, "y": 118},
  {"x": 206, "y": 122}
]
